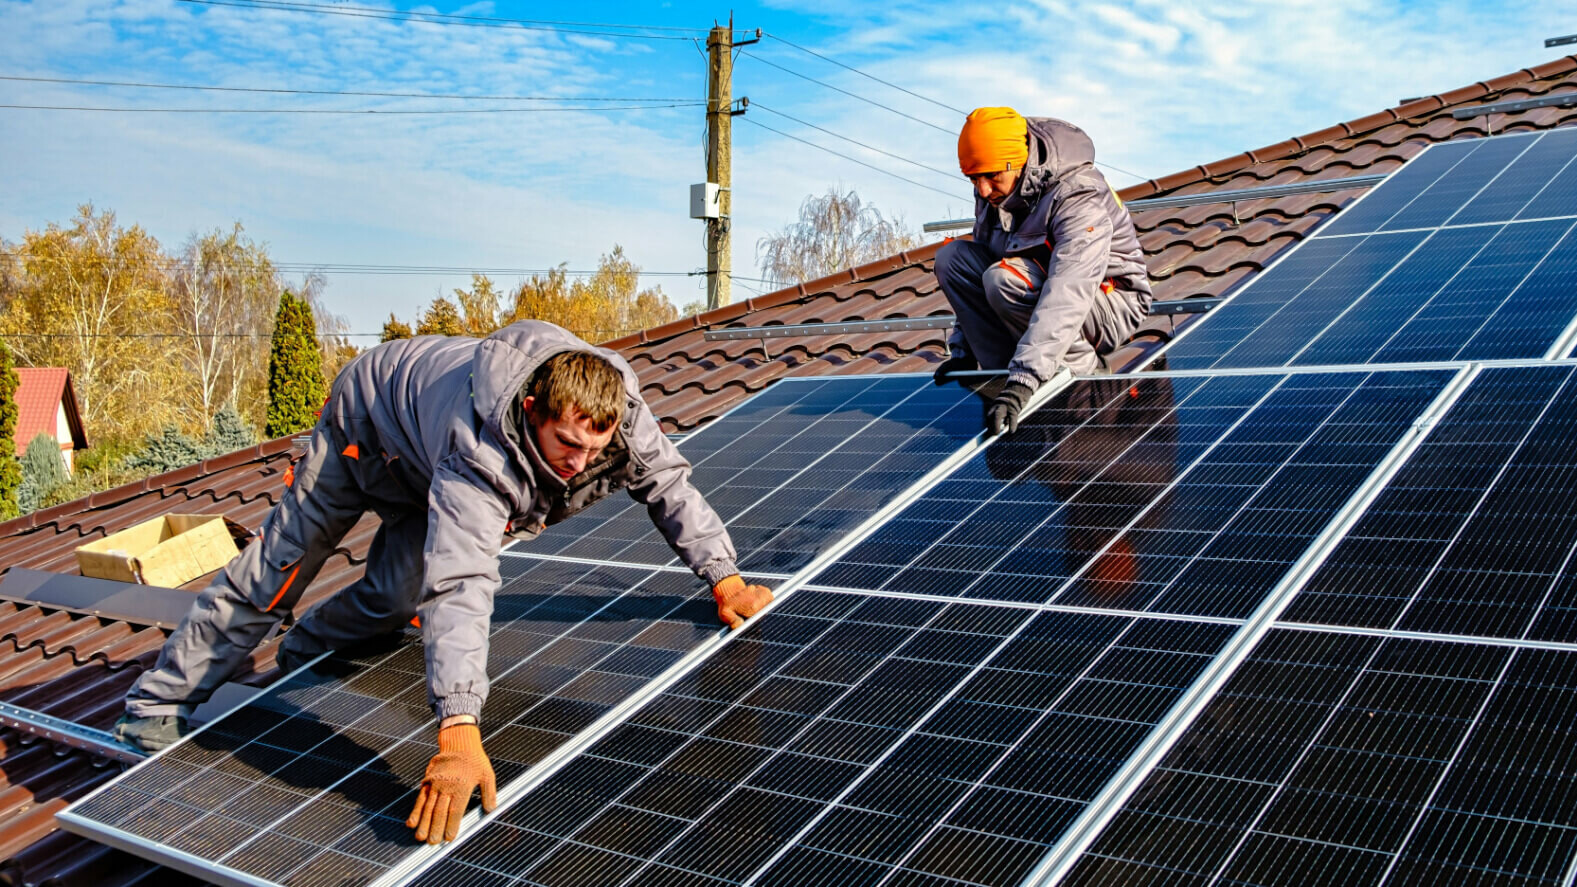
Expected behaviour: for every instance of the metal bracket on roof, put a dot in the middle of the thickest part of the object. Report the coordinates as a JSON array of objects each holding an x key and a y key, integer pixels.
[
  {"x": 36, "y": 723},
  {"x": 1561, "y": 41},
  {"x": 1562, "y": 100},
  {"x": 896, "y": 324},
  {"x": 902, "y": 324},
  {"x": 1233, "y": 196}
]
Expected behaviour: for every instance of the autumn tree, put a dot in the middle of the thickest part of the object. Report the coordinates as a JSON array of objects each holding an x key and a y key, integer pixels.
[
  {"x": 606, "y": 305},
  {"x": 92, "y": 296},
  {"x": 835, "y": 231},
  {"x": 295, "y": 369},
  {"x": 478, "y": 307},
  {"x": 441, "y": 318},
  {"x": 10, "y": 468},
  {"x": 394, "y": 328},
  {"x": 224, "y": 291}
]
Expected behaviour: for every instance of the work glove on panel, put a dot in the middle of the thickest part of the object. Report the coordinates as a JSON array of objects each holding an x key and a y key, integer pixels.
[
  {"x": 737, "y": 601},
  {"x": 453, "y": 775},
  {"x": 1002, "y": 415},
  {"x": 958, "y": 363}
]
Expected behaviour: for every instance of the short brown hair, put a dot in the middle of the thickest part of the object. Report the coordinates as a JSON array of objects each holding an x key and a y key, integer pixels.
[{"x": 581, "y": 380}]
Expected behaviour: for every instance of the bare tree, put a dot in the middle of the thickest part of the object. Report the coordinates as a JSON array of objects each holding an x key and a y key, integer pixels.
[
  {"x": 835, "y": 231},
  {"x": 224, "y": 292}
]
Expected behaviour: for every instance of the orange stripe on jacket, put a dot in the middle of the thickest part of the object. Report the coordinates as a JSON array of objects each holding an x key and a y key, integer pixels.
[
  {"x": 282, "y": 589},
  {"x": 1016, "y": 273},
  {"x": 352, "y": 451}
]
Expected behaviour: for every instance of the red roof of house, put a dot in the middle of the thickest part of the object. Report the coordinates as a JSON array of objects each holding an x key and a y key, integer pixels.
[
  {"x": 79, "y": 667},
  {"x": 38, "y": 400}
]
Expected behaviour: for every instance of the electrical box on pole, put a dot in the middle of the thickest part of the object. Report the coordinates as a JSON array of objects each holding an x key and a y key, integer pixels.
[{"x": 704, "y": 201}]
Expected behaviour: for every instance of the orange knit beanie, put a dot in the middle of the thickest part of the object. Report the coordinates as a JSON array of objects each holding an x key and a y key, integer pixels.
[{"x": 993, "y": 139}]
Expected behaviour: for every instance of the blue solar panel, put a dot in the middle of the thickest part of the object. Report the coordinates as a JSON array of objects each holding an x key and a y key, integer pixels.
[
  {"x": 1362, "y": 760},
  {"x": 1469, "y": 252},
  {"x": 1185, "y": 495}
]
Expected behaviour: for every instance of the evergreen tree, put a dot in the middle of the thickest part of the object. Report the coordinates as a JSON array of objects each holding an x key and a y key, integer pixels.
[
  {"x": 394, "y": 328},
  {"x": 166, "y": 451},
  {"x": 295, "y": 369},
  {"x": 10, "y": 467},
  {"x": 43, "y": 470},
  {"x": 442, "y": 318},
  {"x": 227, "y": 433}
]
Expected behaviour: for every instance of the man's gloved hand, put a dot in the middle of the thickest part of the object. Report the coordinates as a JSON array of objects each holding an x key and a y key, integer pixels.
[
  {"x": 737, "y": 601},
  {"x": 956, "y": 364},
  {"x": 459, "y": 768},
  {"x": 1003, "y": 413}
]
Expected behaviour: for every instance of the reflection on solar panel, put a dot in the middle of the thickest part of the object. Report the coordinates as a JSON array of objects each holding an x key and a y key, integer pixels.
[
  {"x": 1353, "y": 759},
  {"x": 310, "y": 783},
  {"x": 1468, "y": 252},
  {"x": 793, "y": 469},
  {"x": 1475, "y": 535},
  {"x": 1115, "y": 496},
  {"x": 848, "y": 737}
]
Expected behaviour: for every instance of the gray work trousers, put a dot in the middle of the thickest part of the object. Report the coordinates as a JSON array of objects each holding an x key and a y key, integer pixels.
[
  {"x": 262, "y": 583},
  {"x": 994, "y": 298}
]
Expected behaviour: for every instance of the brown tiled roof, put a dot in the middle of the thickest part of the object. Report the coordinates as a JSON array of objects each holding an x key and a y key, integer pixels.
[{"x": 79, "y": 667}]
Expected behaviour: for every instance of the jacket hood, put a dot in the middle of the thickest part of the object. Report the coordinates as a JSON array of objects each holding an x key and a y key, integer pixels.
[
  {"x": 1056, "y": 148},
  {"x": 504, "y": 363}
]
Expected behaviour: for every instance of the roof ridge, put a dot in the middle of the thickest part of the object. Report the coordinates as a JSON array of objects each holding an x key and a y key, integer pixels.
[{"x": 1357, "y": 126}]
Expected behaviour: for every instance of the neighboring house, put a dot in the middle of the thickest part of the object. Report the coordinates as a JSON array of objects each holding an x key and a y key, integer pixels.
[
  {"x": 47, "y": 404},
  {"x": 78, "y": 667}
]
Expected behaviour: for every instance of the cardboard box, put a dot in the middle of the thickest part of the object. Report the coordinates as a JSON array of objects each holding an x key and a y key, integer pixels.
[{"x": 167, "y": 551}]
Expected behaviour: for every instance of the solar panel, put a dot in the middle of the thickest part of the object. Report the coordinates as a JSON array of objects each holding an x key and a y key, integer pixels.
[
  {"x": 310, "y": 782},
  {"x": 850, "y": 737},
  {"x": 1476, "y": 533},
  {"x": 791, "y": 473},
  {"x": 1187, "y": 495},
  {"x": 1468, "y": 252},
  {"x": 1357, "y": 759}
]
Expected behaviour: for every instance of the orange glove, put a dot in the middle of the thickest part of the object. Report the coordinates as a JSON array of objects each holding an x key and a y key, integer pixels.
[
  {"x": 737, "y": 601},
  {"x": 452, "y": 775}
]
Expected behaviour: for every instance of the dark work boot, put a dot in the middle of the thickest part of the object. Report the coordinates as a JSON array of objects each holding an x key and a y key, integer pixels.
[{"x": 151, "y": 735}]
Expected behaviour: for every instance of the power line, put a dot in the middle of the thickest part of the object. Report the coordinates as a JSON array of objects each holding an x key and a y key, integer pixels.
[
  {"x": 868, "y": 76},
  {"x": 850, "y": 159},
  {"x": 348, "y": 110},
  {"x": 286, "y": 267},
  {"x": 439, "y": 18},
  {"x": 847, "y": 93},
  {"x": 900, "y": 113},
  {"x": 950, "y": 175},
  {"x": 400, "y": 95}
]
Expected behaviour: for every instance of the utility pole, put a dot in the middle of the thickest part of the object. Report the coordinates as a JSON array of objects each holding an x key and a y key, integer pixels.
[{"x": 720, "y": 158}]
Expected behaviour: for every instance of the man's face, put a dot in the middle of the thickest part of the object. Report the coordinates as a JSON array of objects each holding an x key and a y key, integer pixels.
[
  {"x": 568, "y": 443},
  {"x": 994, "y": 187}
]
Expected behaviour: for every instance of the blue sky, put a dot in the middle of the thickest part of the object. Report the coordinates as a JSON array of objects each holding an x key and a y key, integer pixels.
[{"x": 1160, "y": 86}]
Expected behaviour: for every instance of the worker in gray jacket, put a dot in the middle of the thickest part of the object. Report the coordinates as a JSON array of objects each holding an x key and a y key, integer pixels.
[
  {"x": 1054, "y": 278},
  {"x": 454, "y": 443}
]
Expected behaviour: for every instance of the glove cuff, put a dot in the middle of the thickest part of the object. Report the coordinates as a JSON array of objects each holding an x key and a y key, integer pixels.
[
  {"x": 460, "y": 738},
  {"x": 729, "y": 585}
]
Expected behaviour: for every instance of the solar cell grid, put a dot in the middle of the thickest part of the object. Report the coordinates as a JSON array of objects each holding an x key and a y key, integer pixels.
[
  {"x": 1339, "y": 758},
  {"x": 1397, "y": 278},
  {"x": 1475, "y": 534},
  {"x": 1138, "y": 504},
  {"x": 790, "y": 477},
  {"x": 325, "y": 762},
  {"x": 848, "y": 737}
]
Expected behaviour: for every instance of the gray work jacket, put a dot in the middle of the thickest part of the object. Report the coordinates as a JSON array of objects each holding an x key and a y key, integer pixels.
[
  {"x": 427, "y": 415},
  {"x": 1064, "y": 217}
]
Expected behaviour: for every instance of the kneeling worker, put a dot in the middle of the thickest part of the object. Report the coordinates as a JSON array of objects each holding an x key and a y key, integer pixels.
[
  {"x": 455, "y": 443},
  {"x": 1055, "y": 277}
]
